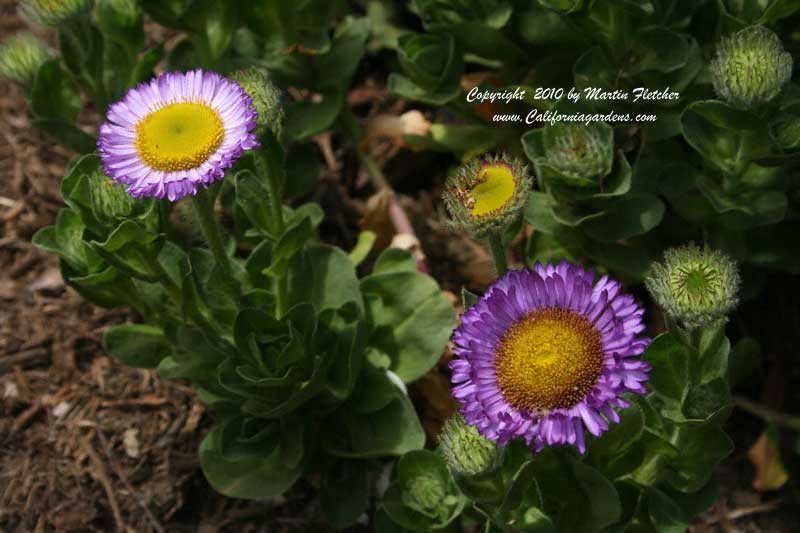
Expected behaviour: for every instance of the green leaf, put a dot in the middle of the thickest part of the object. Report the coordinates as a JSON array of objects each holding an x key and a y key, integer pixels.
[
  {"x": 602, "y": 497},
  {"x": 136, "y": 345},
  {"x": 630, "y": 216},
  {"x": 304, "y": 119},
  {"x": 725, "y": 136},
  {"x": 394, "y": 260},
  {"x": 54, "y": 95},
  {"x": 621, "y": 436},
  {"x": 289, "y": 244},
  {"x": 708, "y": 402},
  {"x": 468, "y": 299},
  {"x": 412, "y": 322},
  {"x": 700, "y": 449},
  {"x": 303, "y": 169},
  {"x": 535, "y": 521},
  {"x": 665, "y": 514},
  {"x": 366, "y": 239},
  {"x": 324, "y": 276},
  {"x": 393, "y": 429},
  {"x": 254, "y": 199},
  {"x": 253, "y": 462},
  {"x": 344, "y": 492},
  {"x": 669, "y": 375}
]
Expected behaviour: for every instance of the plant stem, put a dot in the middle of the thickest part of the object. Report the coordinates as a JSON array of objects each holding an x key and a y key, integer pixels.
[
  {"x": 273, "y": 180},
  {"x": 495, "y": 241},
  {"x": 203, "y": 203},
  {"x": 767, "y": 414},
  {"x": 174, "y": 291}
]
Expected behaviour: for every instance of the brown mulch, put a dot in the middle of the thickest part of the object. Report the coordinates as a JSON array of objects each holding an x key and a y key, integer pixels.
[{"x": 89, "y": 444}]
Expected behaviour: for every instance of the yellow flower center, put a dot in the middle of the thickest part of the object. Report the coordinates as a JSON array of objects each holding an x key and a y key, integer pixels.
[
  {"x": 548, "y": 359},
  {"x": 179, "y": 136},
  {"x": 496, "y": 187}
]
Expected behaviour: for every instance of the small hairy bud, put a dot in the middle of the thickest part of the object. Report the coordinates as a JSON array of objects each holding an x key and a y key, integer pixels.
[
  {"x": 581, "y": 151},
  {"x": 266, "y": 98},
  {"x": 53, "y": 12},
  {"x": 486, "y": 195},
  {"x": 695, "y": 286},
  {"x": 751, "y": 67},
  {"x": 20, "y": 57},
  {"x": 467, "y": 452},
  {"x": 109, "y": 200}
]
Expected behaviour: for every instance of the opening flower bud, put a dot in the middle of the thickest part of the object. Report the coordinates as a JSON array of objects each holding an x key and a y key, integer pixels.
[
  {"x": 20, "y": 57},
  {"x": 751, "y": 67},
  {"x": 53, "y": 12},
  {"x": 581, "y": 151},
  {"x": 695, "y": 286},
  {"x": 266, "y": 98},
  {"x": 487, "y": 195},
  {"x": 467, "y": 452},
  {"x": 428, "y": 495}
]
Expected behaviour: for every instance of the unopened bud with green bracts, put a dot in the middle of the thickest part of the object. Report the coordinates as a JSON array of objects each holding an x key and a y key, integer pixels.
[
  {"x": 695, "y": 286},
  {"x": 266, "y": 98},
  {"x": 53, "y": 12},
  {"x": 427, "y": 494},
  {"x": 466, "y": 451},
  {"x": 580, "y": 151},
  {"x": 487, "y": 194},
  {"x": 751, "y": 67},
  {"x": 21, "y": 55}
]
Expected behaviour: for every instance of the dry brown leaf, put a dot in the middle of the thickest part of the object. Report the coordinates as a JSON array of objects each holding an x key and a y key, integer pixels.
[
  {"x": 394, "y": 127},
  {"x": 770, "y": 472}
]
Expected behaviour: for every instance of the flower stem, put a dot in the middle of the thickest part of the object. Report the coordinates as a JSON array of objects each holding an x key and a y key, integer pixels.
[
  {"x": 269, "y": 165},
  {"x": 498, "y": 253},
  {"x": 203, "y": 203}
]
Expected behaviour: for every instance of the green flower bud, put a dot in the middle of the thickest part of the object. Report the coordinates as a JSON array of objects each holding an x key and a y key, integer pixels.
[
  {"x": 467, "y": 452},
  {"x": 20, "y": 58},
  {"x": 487, "y": 195},
  {"x": 109, "y": 201},
  {"x": 266, "y": 98},
  {"x": 582, "y": 151},
  {"x": 751, "y": 67},
  {"x": 695, "y": 286},
  {"x": 427, "y": 494},
  {"x": 53, "y": 12}
]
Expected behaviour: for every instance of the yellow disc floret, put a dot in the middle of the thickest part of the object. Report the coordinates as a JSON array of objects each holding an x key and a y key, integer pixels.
[
  {"x": 494, "y": 189},
  {"x": 179, "y": 136},
  {"x": 551, "y": 358}
]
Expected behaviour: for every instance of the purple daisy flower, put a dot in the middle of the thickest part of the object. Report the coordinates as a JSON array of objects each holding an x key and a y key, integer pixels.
[
  {"x": 175, "y": 132},
  {"x": 547, "y": 352}
]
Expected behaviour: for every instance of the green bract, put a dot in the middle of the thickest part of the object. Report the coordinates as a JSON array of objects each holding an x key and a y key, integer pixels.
[
  {"x": 487, "y": 194},
  {"x": 751, "y": 67},
  {"x": 266, "y": 98},
  {"x": 21, "y": 55},
  {"x": 466, "y": 451},
  {"x": 580, "y": 152},
  {"x": 423, "y": 496},
  {"x": 695, "y": 286}
]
